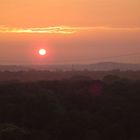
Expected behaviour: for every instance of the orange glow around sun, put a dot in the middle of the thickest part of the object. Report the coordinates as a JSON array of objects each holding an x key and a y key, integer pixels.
[{"x": 42, "y": 52}]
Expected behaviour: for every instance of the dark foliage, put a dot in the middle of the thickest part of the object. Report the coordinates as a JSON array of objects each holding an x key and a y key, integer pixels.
[{"x": 71, "y": 110}]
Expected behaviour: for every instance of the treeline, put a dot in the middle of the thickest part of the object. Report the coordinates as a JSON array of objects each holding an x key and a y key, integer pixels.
[
  {"x": 71, "y": 110},
  {"x": 33, "y": 75}
]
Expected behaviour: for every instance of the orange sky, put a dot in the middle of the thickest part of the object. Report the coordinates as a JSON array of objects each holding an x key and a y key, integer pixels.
[{"x": 76, "y": 31}]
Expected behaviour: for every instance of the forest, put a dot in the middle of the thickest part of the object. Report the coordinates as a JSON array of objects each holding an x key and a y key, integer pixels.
[{"x": 70, "y": 109}]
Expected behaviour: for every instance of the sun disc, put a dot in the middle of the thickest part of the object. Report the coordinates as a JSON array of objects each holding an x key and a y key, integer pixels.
[{"x": 42, "y": 52}]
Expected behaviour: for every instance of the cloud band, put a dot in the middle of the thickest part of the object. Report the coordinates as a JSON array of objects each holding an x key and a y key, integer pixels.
[{"x": 61, "y": 29}]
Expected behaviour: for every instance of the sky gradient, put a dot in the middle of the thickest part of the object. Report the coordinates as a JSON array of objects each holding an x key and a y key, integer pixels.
[{"x": 76, "y": 31}]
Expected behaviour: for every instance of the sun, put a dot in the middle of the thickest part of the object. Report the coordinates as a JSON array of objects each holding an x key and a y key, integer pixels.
[{"x": 42, "y": 52}]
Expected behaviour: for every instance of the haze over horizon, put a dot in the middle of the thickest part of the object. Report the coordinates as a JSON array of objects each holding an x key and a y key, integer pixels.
[{"x": 72, "y": 32}]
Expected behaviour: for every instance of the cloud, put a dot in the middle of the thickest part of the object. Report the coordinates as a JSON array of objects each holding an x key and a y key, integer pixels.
[
  {"x": 48, "y": 30},
  {"x": 61, "y": 29}
]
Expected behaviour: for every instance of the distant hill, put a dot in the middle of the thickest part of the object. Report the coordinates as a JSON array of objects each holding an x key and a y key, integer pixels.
[
  {"x": 112, "y": 66},
  {"x": 104, "y": 66}
]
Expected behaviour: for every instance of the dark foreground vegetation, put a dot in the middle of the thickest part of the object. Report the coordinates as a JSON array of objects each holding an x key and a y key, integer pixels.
[{"x": 70, "y": 110}]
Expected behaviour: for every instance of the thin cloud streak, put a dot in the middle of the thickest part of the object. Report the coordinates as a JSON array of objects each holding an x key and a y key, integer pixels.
[{"x": 62, "y": 29}]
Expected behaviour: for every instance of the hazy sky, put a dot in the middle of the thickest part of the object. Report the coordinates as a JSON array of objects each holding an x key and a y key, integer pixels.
[{"x": 75, "y": 31}]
